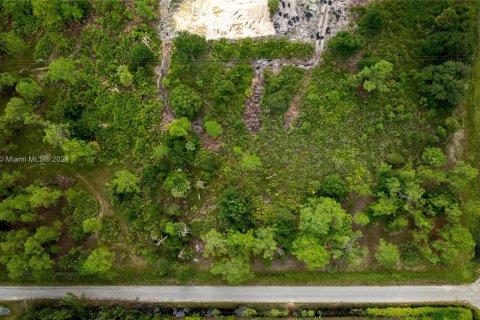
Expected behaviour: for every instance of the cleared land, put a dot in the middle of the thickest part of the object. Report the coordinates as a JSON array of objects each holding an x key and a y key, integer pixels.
[{"x": 225, "y": 19}]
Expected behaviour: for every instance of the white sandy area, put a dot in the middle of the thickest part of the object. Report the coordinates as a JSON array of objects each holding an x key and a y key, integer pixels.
[{"x": 230, "y": 19}]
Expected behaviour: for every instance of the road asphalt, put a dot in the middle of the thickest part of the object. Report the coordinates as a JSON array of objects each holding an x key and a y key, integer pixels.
[{"x": 301, "y": 294}]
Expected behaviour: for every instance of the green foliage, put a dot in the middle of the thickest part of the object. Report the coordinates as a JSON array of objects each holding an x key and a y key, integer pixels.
[
  {"x": 177, "y": 183},
  {"x": 140, "y": 56},
  {"x": 91, "y": 225},
  {"x": 62, "y": 69},
  {"x": 78, "y": 151},
  {"x": 179, "y": 128},
  {"x": 434, "y": 157},
  {"x": 54, "y": 14},
  {"x": 333, "y": 186},
  {"x": 273, "y": 6},
  {"x": 185, "y": 101},
  {"x": 234, "y": 211},
  {"x": 22, "y": 205},
  {"x": 433, "y": 313},
  {"x": 275, "y": 313},
  {"x": 80, "y": 207},
  {"x": 124, "y": 76},
  {"x": 250, "y": 162},
  {"x": 372, "y": 19},
  {"x": 16, "y": 111},
  {"x": 29, "y": 90},
  {"x": 11, "y": 43},
  {"x": 189, "y": 46},
  {"x": 213, "y": 129},
  {"x": 146, "y": 9},
  {"x": 319, "y": 217},
  {"x": 374, "y": 78},
  {"x": 450, "y": 33},
  {"x": 110, "y": 229},
  {"x": 346, "y": 43},
  {"x": 232, "y": 251},
  {"x": 125, "y": 182},
  {"x": 22, "y": 252},
  {"x": 445, "y": 84},
  {"x": 99, "y": 262},
  {"x": 308, "y": 250},
  {"x": 280, "y": 90},
  {"x": 387, "y": 255},
  {"x": 225, "y": 50}
]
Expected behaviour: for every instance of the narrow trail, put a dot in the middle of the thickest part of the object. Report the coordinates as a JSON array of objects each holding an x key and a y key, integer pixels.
[
  {"x": 104, "y": 205},
  {"x": 252, "y": 105},
  {"x": 166, "y": 32},
  {"x": 294, "y": 109}
]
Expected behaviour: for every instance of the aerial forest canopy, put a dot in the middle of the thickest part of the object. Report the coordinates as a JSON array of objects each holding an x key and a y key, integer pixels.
[{"x": 126, "y": 156}]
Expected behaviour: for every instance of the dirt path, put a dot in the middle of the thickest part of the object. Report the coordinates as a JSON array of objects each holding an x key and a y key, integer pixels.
[
  {"x": 294, "y": 109},
  {"x": 166, "y": 32},
  {"x": 252, "y": 105},
  {"x": 104, "y": 205}
]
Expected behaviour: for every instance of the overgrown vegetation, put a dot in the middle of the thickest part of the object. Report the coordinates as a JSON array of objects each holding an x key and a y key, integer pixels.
[
  {"x": 72, "y": 307},
  {"x": 355, "y": 168}
]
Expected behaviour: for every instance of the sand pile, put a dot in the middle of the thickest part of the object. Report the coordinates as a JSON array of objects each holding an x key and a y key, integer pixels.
[{"x": 231, "y": 19}]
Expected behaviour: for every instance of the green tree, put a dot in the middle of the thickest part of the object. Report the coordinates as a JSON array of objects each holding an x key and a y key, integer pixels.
[
  {"x": 333, "y": 186},
  {"x": 310, "y": 251},
  {"x": 145, "y": 9},
  {"x": 461, "y": 175},
  {"x": 456, "y": 245},
  {"x": 16, "y": 111},
  {"x": 62, "y": 69},
  {"x": 124, "y": 76},
  {"x": 99, "y": 262},
  {"x": 388, "y": 254},
  {"x": 55, "y": 134},
  {"x": 235, "y": 211},
  {"x": 29, "y": 90},
  {"x": 177, "y": 183},
  {"x": 250, "y": 162},
  {"x": 179, "y": 127},
  {"x": 11, "y": 43},
  {"x": 91, "y": 225},
  {"x": 40, "y": 266},
  {"x": 375, "y": 77},
  {"x": 321, "y": 217},
  {"x": 185, "y": 101},
  {"x": 434, "y": 157},
  {"x": 265, "y": 244},
  {"x": 53, "y": 14},
  {"x": 125, "y": 182},
  {"x": 189, "y": 46},
  {"x": 42, "y": 196},
  {"x": 213, "y": 129},
  {"x": 78, "y": 151},
  {"x": 445, "y": 84},
  {"x": 234, "y": 270},
  {"x": 346, "y": 43},
  {"x": 140, "y": 55}
]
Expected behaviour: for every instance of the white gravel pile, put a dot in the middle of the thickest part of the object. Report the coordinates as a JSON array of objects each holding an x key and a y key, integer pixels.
[{"x": 232, "y": 19}]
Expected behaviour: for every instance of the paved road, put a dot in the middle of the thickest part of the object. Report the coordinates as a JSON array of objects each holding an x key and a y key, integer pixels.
[{"x": 354, "y": 294}]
